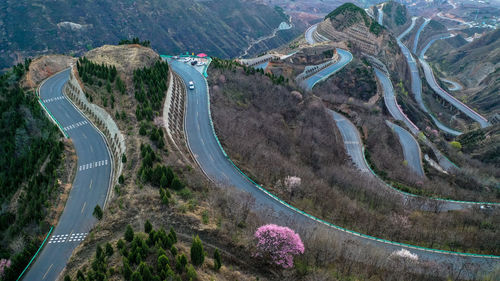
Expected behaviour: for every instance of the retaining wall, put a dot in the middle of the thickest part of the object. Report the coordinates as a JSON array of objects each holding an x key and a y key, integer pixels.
[{"x": 102, "y": 119}]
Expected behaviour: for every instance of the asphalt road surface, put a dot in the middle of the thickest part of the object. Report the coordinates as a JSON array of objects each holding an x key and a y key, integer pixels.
[
  {"x": 411, "y": 149},
  {"x": 431, "y": 80},
  {"x": 309, "y": 34},
  {"x": 352, "y": 140},
  {"x": 391, "y": 103},
  {"x": 345, "y": 58},
  {"x": 416, "y": 83},
  {"x": 90, "y": 185},
  {"x": 217, "y": 166},
  {"x": 454, "y": 85},
  {"x": 262, "y": 65},
  {"x": 354, "y": 147},
  {"x": 312, "y": 36},
  {"x": 380, "y": 19},
  {"x": 417, "y": 36}
]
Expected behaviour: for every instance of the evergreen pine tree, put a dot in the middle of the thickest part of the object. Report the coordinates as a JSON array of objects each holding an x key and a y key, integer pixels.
[
  {"x": 148, "y": 226},
  {"x": 177, "y": 184},
  {"x": 217, "y": 260},
  {"x": 136, "y": 276},
  {"x": 109, "y": 249},
  {"x": 197, "y": 254},
  {"x": 97, "y": 212},
  {"x": 129, "y": 233}
]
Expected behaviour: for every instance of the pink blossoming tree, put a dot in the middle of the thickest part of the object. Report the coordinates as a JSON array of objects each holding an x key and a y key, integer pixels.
[
  {"x": 278, "y": 244},
  {"x": 4, "y": 264}
]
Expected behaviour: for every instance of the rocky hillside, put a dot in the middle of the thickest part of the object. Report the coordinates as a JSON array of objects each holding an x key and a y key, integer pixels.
[
  {"x": 477, "y": 66},
  {"x": 222, "y": 28}
]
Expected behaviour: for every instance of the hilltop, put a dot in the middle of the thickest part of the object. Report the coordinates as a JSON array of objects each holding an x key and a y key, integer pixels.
[
  {"x": 363, "y": 35},
  {"x": 125, "y": 58}
]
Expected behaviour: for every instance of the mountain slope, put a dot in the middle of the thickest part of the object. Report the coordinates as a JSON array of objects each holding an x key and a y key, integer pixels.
[
  {"x": 363, "y": 35},
  {"x": 396, "y": 17},
  {"x": 477, "y": 66},
  {"x": 220, "y": 27}
]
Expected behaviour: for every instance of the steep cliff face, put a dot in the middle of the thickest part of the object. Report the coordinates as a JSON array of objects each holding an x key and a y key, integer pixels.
[{"x": 222, "y": 27}]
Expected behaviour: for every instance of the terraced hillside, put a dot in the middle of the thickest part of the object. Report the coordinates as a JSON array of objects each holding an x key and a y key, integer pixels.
[
  {"x": 221, "y": 28},
  {"x": 351, "y": 25}
]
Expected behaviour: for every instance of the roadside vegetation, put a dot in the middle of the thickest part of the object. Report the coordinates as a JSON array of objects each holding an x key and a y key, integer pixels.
[
  {"x": 154, "y": 254},
  {"x": 225, "y": 219},
  {"x": 31, "y": 155},
  {"x": 277, "y": 117},
  {"x": 159, "y": 182}
]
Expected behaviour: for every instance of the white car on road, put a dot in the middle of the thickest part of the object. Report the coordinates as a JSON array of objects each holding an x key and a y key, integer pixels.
[{"x": 191, "y": 85}]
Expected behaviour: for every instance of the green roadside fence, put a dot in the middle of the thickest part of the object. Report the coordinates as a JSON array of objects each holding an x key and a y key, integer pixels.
[
  {"x": 393, "y": 243},
  {"x": 415, "y": 195},
  {"x": 51, "y": 116},
  {"x": 36, "y": 254}
]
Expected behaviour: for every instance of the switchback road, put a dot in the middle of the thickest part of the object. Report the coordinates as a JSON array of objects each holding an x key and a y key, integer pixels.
[
  {"x": 214, "y": 162},
  {"x": 454, "y": 85},
  {"x": 416, "y": 82},
  {"x": 431, "y": 80},
  {"x": 345, "y": 58},
  {"x": 90, "y": 185},
  {"x": 391, "y": 102},
  {"x": 411, "y": 149},
  {"x": 417, "y": 36}
]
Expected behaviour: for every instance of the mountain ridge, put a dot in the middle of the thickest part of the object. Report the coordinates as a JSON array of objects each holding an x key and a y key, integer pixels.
[{"x": 221, "y": 28}]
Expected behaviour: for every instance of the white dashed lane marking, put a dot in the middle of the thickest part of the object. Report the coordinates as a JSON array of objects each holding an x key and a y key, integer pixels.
[
  {"x": 63, "y": 238},
  {"x": 93, "y": 165},
  {"x": 53, "y": 99},
  {"x": 76, "y": 125}
]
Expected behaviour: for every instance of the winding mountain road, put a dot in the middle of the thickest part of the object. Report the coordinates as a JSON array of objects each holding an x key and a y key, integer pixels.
[
  {"x": 411, "y": 149},
  {"x": 312, "y": 36},
  {"x": 90, "y": 186},
  {"x": 345, "y": 58},
  {"x": 416, "y": 82},
  {"x": 431, "y": 80},
  {"x": 380, "y": 18},
  {"x": 309, "y": 34},
  {"x": 391, "y": 103},
  {"x": 454, "y": 85},
  {"x": 417, "y": 36},
  {"x": 217, "y": 166},
  {"x": 352, "y": 140}
]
